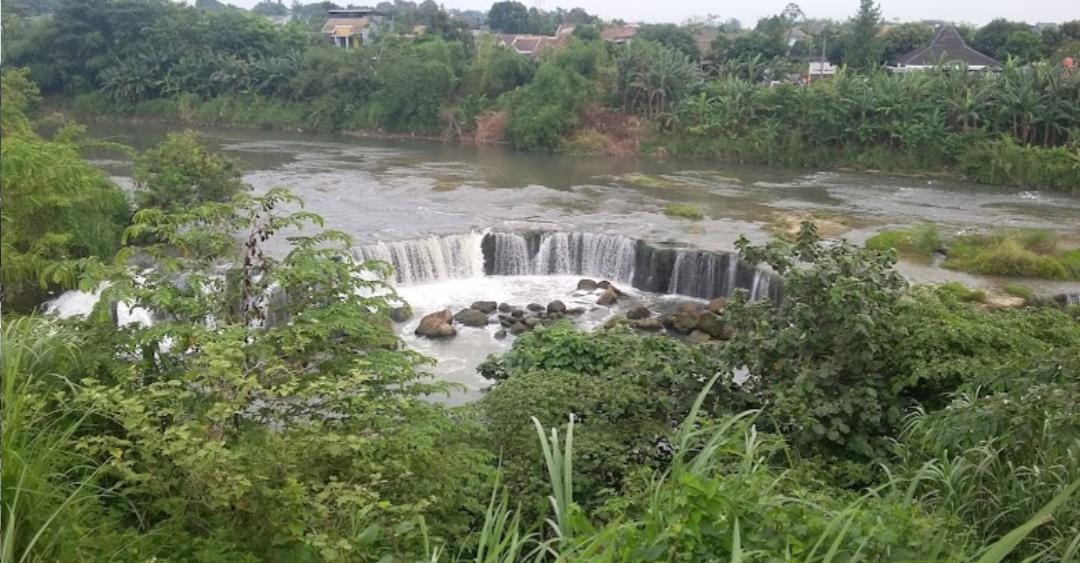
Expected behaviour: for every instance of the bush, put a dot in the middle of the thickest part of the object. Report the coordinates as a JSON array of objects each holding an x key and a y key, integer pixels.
[
  {"x": 685, "y": 211},
  {"x": 963, "y": 292},
  {"x": 922, "y": 239},
  {"x": 180, "y": 173},
  {"x": 1017, "y": 290},
  {"x": 1006, "y": 162},
  {"x": 1032, "y": 254}
]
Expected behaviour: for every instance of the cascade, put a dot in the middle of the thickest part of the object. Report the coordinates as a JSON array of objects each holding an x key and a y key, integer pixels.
[{"x": 623, "y": 260}]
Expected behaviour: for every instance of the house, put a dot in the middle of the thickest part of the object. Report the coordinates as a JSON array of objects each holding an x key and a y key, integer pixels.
[
  {"x": 352, "y": 27},
  {"x": 820, "y": 68},
  {"x": 618, "y": 34},
  {"x": 530, "y": 45},
  {"x": 946, "y": 48}
]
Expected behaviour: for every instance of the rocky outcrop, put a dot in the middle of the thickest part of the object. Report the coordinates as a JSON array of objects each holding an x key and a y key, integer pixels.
[
  {"x": 716, "y": 306},
  {"x": 639, "y": 312},
  {"x": 471, "y": 317},
  {"x": 556, "y": 307},
  {"x": 485, "y": 307},
  {"x": 608, "y": 298},
  {"x": 437, "y": 325}
]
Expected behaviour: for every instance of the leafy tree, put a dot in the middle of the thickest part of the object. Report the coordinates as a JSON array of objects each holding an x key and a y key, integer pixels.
[
  {"x": 62, "y": 217},
  {"x": 862, "y": 49},
  {"x": 508, "y": 17},
  {"x": 270, "y": 8},
  {"x": 1023, "y": 45},
  {"x": 901, "y": 39},
  {"x": 991, "y": 38},
  {"x": 180, "y": 173},
  {"x": 671, "y": 36}
]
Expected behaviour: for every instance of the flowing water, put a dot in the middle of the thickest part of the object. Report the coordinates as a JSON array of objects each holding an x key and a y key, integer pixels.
[{"x": 462, "y": 224}]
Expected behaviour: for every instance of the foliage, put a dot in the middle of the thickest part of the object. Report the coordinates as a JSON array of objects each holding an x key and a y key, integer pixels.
[
  {"x": 509, "y": 17},
  {"x": 963, "y": 292},
  {"x": 60, "y": 212},
  {"x": 180, "y": 173},
  {"x": 671, "y": 36},
  {"x": 920, "y": 240},
  {"x": 684, "y": 210},
  {"x": 1018, "y": 290},
  {"x": 1020, "y": 253}
]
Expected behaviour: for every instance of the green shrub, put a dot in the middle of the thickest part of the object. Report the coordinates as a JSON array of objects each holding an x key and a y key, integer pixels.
[
  {"x": 963, "y": 292},
  {"x": 684, "y": 210},
  {"x": 1017, "y": 290},
  {"x": 1004, "y": 161},
  {"x": 922, "y": 239},
  {"x": 1023, "y": 253}
]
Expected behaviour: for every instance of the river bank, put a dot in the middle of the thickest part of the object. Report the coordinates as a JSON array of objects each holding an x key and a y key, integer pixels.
[{"x": 1000, "y": 162}]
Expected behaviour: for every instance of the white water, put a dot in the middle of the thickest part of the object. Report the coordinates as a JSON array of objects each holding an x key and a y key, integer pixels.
[
  {"x": 76, "y": 303},
  {"x": 606, "y": 256},
  {"x": 433, "y": 258}
]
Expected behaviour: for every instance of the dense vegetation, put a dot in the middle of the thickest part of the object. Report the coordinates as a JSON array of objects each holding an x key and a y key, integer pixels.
[
  {"x": 269, "y": 413},
  {"x": 662, "y": 92}
]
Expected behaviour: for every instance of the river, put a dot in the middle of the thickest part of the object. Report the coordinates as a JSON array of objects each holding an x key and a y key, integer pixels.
[{"x": 384, "y": 191}]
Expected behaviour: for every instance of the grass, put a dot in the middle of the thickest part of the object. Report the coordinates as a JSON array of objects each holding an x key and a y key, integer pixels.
[
  {"x": 1017, "y": 290},
  {"x": 920, "y": 240},
  {"x": 963, "y": 292},
  {"x": 684, "y": 211},
  {"x": 1014, "y": 253},
  {"x": 648, "y": 181}
]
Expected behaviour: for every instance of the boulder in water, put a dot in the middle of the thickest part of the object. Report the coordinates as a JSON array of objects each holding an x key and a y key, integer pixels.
[
  {"x": 437, "y": 325},
  {"x": 556, "y": 306},
  {"x": 684, "y": 322},
  {"x": 531, "y": 322},
  {"x": 535, "y": 307},
  {"x": 471, "y": 317},
  {"x": 691, "y": 308},
  {"x": 605, "y": 285},
  {"x": 517, "y": 314},
  {"x": 518, "y": 328},
  {"x": 576, "y": 311},
  {"x": 401, "y": 314},
  {"x": 486, "y": 307},
  {"x": 639, "y": 312},
  {"x": 586, "y": 285},
  {"x": 609, "y": 297},
  {"x": 716, "y": 306},
  {"x": 500, "y": 334},
  {"x": 505, "y": 307}
]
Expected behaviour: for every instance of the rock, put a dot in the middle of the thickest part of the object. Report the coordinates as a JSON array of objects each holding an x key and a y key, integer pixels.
[
  {"x": 500, "y": 334},
  {"x": 505, "y": 320},
  {"x": 437, "y": 325},
  {"x": 684, "y": 322},
  {"x": 576, "y": 311},
  {"x": 505, "y": 308},
  {"x": 698, "y": 337},
  {"x": 471, "y": 317},
  {"x": 485, "y": 307},
  {"x": 531, "y": 322},
  {"x": 586, "y": 285},
  {"x": 535, "y": 307},
  {"x": 639, "y": 312},
  {"x": 617, "y": 320},
  {"x": 518, "y": 328},
  {"x": 716, "y": 306},
  {"x": 401, "y": 314},
  {"x": 556, "y": 306},
  {"x": 517, "y": 314},
  {"x": 609, "y": 297},
  {"x": 605, "y": 285},
  {"x": 647, "y": 324},
  {"x": 1004, "y": 301},
  {"x": 691, "y": 308},
  {"x": 667, "y": 321},
  {"x": 710, "y": 324}
]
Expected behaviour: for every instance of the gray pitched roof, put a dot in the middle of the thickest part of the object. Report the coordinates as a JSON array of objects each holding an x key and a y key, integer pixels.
[{"x": 949, "y": 47}]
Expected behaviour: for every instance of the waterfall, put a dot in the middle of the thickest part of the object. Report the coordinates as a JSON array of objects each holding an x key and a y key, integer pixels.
[
  {"x": 430, "y": 259},
  {"x": 627, "y": 261}
]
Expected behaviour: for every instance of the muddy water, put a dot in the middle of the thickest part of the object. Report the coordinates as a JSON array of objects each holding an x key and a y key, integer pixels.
[{"x": 398, "y": 190}]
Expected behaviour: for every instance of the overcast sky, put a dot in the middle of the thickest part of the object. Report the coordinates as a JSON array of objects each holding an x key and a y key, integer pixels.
[{"x": 969, "y": 11}]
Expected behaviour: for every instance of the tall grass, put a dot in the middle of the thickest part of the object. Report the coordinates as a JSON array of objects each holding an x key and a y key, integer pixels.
[
  {"x": 1019, "y": 253},
  {"x": 48, "y": 492}
]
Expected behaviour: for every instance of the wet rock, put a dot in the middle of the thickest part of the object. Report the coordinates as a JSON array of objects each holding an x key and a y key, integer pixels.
[
  {"x": 556, "y": 307},
  {"x": 500, "y": 334},
  {"x": 535, "y": 307},
  {"x": 684, "y": 322},
  {"x": 609, "y": 297},
  {"x": 667, "y": 321},
  {"x": 698, "y": 337},
  {"x": 437, "y": 325},
  {"x": 716, "y": 306},
  {"x": 586, "y": 285},
  {"x": 647, "y": 324},
  {"x": 506, "y": 320},
  {"x": 517, "y": 314},
  {"x": 691, "y": 308},
  {"x": 531, "y": 322},
  {"x": 505, "y": 307},
  {"x": 639, "y": 312},
  {"x": 605, "y": 285},
  {"x": 710, "y": 324},
  {"x": 471, "y": 317},
  {"x": 518, "y": 328},
  {"x": 615, "y": 321},
  {"x": 575, "y": 311},
  {"x": 401, "y": 314},
  {"x": 485, "y": 307}
]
